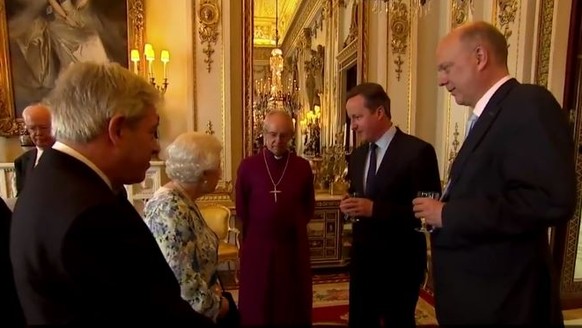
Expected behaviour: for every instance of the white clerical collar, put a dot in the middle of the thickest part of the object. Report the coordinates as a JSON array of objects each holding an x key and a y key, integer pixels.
[{"x": 74, "y": 153}]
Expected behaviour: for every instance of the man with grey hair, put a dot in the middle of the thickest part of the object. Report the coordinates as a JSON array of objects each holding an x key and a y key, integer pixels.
[
  {"x": 275, "y": 199},
  {"x": 82, "y": 255},
  {"x": 37, "y": 120},
  {"x": 512, "y": 179}
]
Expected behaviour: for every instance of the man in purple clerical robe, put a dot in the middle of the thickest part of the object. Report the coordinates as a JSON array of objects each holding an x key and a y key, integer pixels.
[{"x": 275, "y": 200}]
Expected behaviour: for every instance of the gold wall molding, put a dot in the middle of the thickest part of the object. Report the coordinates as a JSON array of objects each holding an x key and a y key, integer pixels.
[
  {"x": 262, "y": 53},
  {"x": 461, "y": 9},
  {"x": 194, "y": 71},
  {"x": 353, "y": 30},
  {"x": 209, "y": 128},
  {"x": 305, "y": 12},
  {"x": 363, "y": 42},
  {"x": 506, "y": 12},
  {"x": 453, "y": 151},
  {"x": 544, "y": 42},
  {"x": 304, "y": 42},
  {"x": 209, "y": 18},
  {"x": 327, "y": 9},
  {"x": 247, "y": 77},
  {"x": 400, "y": 27},
  {"x": 347, "y": 55}
]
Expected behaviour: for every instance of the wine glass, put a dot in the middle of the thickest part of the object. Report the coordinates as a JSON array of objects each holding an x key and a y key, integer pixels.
[
  {"x": 347, "y": 217},
  {"x": 426, "y": 228}
]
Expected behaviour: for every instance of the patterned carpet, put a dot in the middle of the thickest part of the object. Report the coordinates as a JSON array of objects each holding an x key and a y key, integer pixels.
[{"x": 330, "y": 300}]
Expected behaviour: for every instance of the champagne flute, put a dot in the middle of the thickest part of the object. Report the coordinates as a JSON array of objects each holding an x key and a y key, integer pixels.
[
  {"x": 347, "y": 217},
  {"x": 426, "y": 228}
]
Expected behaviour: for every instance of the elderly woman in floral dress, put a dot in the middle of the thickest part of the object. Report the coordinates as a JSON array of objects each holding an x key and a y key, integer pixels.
[{"x": 188, "y": 244}]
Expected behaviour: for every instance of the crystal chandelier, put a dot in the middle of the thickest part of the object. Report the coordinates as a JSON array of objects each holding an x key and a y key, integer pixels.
[{"x": 418, "y": 6}]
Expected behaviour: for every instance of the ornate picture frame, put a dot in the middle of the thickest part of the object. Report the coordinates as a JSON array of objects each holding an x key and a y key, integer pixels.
[{"x": 91, "y": 29}]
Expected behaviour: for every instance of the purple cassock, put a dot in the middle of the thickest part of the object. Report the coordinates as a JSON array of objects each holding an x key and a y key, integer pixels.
[{"x": 275, "y": 200}]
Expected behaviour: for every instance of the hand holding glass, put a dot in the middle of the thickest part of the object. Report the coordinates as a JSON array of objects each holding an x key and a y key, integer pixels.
[
  {"x": 425, "y": 228},
  {"x": 347, "y": 217}
]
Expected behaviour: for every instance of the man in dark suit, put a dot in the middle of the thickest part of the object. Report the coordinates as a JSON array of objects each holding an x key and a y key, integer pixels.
[
  {"x": 512, "y": 179},
  {"x": 81, "y": 254},
  {"x": 37, "y": 119},
  {"x": 386, "y": 171}
]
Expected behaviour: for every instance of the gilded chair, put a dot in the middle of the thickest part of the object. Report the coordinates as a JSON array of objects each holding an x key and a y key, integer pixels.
[{"x": 218, "y": 219}]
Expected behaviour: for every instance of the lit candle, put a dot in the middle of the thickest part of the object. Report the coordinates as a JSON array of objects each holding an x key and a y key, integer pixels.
[
  {"x": 165, "y": 58},
  {"x": 150, "y": 56},
  {"x": 134, "y": 59}
]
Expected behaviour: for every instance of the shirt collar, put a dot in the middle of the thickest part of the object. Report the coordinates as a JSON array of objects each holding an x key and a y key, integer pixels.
[
  {"x": 480, "y": 106},
  {"x": 74, "y": 153},
  {"x": 386, "y": 138}
]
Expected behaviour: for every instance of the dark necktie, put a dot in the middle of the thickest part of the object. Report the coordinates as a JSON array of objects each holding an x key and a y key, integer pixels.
[{"x": 371, "y": 170}]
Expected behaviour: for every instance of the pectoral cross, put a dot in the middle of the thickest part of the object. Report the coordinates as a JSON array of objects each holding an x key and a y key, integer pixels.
[{"x": 275, "y": 192}]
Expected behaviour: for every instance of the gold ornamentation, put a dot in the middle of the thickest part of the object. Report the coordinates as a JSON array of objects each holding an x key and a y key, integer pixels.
[
  {"x": 353, "y": 31},
  {"x": 327, "y": 8},
  {"x": 507, "y": 10},
  {"x": 347, "y": 55},
  {"x": 544, "y": 42},
  {"x": 10, "y": 125},
  {"x": 209, "y": 17},
  {"x": 453, "y": 152},
  {"x": 400, "y": 31},
  {"x": 307, "y": 9},
  {"x": 248, "y": 76},
  {"x": 209, "y": 129},
  {"x": 305, "y": 40},
  {"x": 460, "y": 12},
  {"x": 221, "y": 195}
]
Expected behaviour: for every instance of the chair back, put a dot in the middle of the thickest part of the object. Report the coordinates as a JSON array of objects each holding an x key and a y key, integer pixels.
[{"x": 218, "y": 219}]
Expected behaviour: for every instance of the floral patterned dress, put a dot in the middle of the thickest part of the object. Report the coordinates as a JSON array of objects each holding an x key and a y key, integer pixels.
[{"x": 189, "y": 246}]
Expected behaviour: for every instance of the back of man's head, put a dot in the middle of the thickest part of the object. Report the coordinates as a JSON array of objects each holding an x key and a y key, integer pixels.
[{"x": 87, "y": 95}]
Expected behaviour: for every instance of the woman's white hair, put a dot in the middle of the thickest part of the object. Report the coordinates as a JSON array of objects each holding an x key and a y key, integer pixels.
[
  {"x": 87, "y": 95},
  {"x": 190, "y": 155}
]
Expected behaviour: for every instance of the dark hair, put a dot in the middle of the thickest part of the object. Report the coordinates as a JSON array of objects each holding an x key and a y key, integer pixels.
[
  {"x": 374, "y": 96},
  {"x": 485, "y": 32}
]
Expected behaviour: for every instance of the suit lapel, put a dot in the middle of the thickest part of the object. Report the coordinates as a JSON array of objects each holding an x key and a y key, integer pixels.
[
  {"x": 389, "y": 161},
  {"x": 480, "y": 128},
  {"x": 357, "y": 176},
  {"x": 31, "y": 160}
]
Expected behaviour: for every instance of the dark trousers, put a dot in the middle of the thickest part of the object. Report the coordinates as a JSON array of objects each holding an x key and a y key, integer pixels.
[{"x": 382, "y": 294}]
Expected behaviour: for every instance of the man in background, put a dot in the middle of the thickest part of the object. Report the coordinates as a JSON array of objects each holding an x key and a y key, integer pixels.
[
  {"x": 512, "y": 179},
  {"x": 386, "y": 172},
  {"x": 81, "y": 254},
  {"x": 37, "y": 120},
  {"x": 275, "y": 199}
]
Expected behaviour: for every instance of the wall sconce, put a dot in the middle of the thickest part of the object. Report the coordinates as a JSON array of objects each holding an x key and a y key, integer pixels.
[{"x": 150, "y": 56}]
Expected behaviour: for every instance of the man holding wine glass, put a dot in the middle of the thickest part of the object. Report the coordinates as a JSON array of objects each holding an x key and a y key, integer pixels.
[
  {"x": 512, "y": 179},
  {"x": 385, "y": 174}
]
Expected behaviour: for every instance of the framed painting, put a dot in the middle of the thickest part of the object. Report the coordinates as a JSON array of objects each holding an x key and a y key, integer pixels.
[{"x": 39, "y": 38}]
